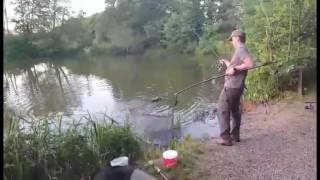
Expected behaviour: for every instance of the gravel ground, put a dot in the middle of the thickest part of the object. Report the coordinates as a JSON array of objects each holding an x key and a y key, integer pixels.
[{"x": 278, "y": 142}]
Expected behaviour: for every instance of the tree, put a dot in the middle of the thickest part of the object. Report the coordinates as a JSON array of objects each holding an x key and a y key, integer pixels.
[
  {"x": 58, "y": 13},
  {"x": 185, "y": 25},
  {"x": 130, "y": 24},
  {"x": 38, "y": 15},
  {"x": 220, "y": 21}
]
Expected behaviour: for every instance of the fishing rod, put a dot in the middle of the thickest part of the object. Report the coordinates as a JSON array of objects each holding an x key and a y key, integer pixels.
[
  {"x": 151, "y": 163},
  {"x": 218, "y": 66},
  {"x": 214, "y": 77}
]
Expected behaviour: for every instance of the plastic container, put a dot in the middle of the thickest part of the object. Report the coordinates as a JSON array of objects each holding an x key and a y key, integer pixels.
[
  {"x": 120, "y": 161},
  {"x": 170, "y": 158}
]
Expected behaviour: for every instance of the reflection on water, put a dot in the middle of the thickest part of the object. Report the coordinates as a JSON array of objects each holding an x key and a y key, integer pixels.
[
  {"x": 36, "y": 92},
  {"x": 122, "y": 88}
]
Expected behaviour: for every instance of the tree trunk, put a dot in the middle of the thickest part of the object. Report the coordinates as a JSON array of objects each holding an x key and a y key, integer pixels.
[
  {"x": 54, "y": 14},
  {"x": 299, "y": 28},
  {"x": 268, "y": 33},
  {"x": 197, "y": 35},
  {"x": 290, "y": 31},
  {"x": 6, "y": 16},
  {"x": 300, "y": 83}
]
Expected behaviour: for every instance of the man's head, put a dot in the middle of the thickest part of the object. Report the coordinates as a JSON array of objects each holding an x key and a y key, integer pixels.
[{"x": 237, "y": 36}]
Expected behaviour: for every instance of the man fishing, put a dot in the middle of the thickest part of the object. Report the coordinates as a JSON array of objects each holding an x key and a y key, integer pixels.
[{"x": 229, "y": 100}]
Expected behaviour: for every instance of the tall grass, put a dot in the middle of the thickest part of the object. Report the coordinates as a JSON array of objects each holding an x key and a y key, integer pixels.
[{"x": 40, "y": 149}]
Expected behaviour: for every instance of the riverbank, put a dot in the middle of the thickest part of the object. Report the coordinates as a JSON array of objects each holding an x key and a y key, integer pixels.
[
  {"x": 43, "y": 148},
  {"x": 278, "y": 141}
]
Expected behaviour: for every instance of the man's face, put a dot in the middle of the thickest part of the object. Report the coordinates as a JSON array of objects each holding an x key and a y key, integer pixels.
[{"x": 234, "y": 40}]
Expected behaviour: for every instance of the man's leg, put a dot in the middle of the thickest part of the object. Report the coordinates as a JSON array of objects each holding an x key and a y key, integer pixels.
[
  {"x": 224, "y": 118},
  {"x": 235, "y": 95}
]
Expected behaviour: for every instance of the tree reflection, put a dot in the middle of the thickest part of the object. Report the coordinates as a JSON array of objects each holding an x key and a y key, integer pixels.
[
  {"x": 10, "y": 83},
  {"x": 140, "y": 76},
  {"x": 42, "y": 88}
]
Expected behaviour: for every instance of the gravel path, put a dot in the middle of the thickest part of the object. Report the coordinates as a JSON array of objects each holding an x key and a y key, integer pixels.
[{"x": 279, "y": 144}]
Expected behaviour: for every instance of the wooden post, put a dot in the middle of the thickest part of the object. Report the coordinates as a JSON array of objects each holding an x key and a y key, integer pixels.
[{"x": 300, "y": 83}]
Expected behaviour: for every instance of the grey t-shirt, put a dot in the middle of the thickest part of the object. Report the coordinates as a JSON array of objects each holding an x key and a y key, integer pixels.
[{"x": 237, "y": 80}]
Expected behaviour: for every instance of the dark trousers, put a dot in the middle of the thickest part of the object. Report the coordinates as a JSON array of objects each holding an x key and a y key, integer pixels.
[{"x": 228, "y": 109}]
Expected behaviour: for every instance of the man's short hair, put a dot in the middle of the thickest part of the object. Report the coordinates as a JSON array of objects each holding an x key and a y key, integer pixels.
[{"x": 242, "y": 39}]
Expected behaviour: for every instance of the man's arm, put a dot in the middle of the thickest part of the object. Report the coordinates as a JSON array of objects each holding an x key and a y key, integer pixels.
[{"x": 247, "y": 64}]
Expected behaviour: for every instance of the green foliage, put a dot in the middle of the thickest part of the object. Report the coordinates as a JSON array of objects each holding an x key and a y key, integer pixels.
[
  {"x": 214, "y": 42},
  {"x": 184, "y": 26},
  {"x": 18, "y": 47},
  {"x": 220, "y": 21},
  {"x": 262, "y": 85},
  {"x": 106, "y": 49},
  {"x": 76, "y": 31},
  {"x": 74, "y": 156},
  {"x": 177, "y": 36},
  {"x": 151, "y": 152},
  {"x": 131, "y": 23},
  {"x": 114, "y": 28},
  {"x": 113, "y": 142},
  {"x": 33, "y": 16},
  {"x": 69, "y": 39},
  {"x": 40, "y": 150},
  {"x": 50, "y": 46},
  {"x": 279, "y": 35}
]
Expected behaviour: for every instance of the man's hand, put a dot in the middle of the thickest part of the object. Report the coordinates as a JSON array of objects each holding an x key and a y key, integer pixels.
[
  {"x": 224, "y": 61},
  {"x": 230, "y": 71}
]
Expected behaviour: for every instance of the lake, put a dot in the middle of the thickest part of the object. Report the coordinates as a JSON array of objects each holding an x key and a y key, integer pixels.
[{"x": 138, "y": 90}]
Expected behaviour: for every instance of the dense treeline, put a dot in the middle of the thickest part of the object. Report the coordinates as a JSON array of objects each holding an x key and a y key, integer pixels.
[{"x": 282, "y": 30}]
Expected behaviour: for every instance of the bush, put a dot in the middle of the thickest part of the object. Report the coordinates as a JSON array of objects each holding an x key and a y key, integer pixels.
[
  {"x": 18, "y": 47},
  {"x": 262, "y": 85},
  {"x": 106, "y": 49},
  {"x": 111, "y": 142}
]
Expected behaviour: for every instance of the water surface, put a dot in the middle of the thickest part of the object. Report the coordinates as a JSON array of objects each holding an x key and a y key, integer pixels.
[{"x": 121, "y": 88}]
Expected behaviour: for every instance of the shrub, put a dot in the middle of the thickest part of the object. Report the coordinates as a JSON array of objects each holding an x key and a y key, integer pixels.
[
  {"x": 18, "y": 47},
  {"x": 262, "y": 85}
]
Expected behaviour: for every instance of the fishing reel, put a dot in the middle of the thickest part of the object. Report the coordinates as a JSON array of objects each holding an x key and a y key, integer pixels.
[{"x": 218, "y": 66}]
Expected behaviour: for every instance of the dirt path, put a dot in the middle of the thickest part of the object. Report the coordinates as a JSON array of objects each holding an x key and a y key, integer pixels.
[{"x": 276, "y": 145}]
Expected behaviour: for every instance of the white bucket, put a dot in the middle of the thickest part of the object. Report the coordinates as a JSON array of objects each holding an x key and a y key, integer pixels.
[{"x": 120, "y": 161}]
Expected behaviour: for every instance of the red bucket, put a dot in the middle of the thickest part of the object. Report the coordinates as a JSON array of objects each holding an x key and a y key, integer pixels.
[{"x": 170, "y": 158}]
